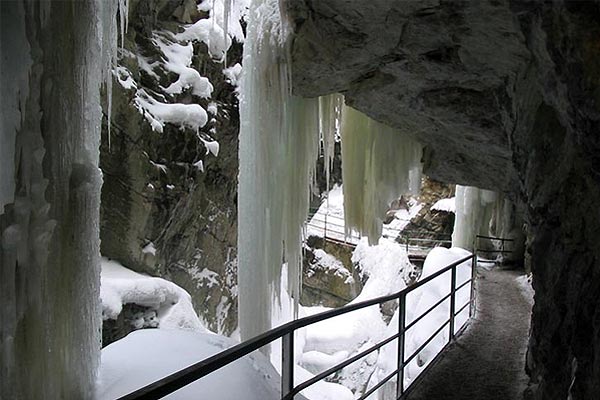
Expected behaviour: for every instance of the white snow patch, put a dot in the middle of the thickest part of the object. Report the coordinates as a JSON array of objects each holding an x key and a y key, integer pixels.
[
  {"x": 178, "y": 60},
  {"x": 124, "y": 78},
  {"x": 212, "y": 108},
  {"x": 447, "y": 205},
  {"x": 157, "y": 114},
  {"x": 199, "y": 165},
  {"x": 205, "y": 275},
  {"x": 524, "y": 282},
  {"x": 212, "y": 146},
  {"x": 173, "y": 305},
  {"x": 233, "y": 74},
  {"x": 210, "y": 33},
  {"x": 335, "y": 266},
  {"x": 149, "y": 249},
  {"x": 148, "y": 355},
  {"x": 386, "y": 264}
]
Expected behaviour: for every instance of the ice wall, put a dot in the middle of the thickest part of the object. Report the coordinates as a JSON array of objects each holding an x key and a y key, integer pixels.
[
  {"x": 378, "y": 165},
  {"x": 279, "y": 144},
  {"x": 474, "y": 210},
  {"x": 55, "y": 56}
]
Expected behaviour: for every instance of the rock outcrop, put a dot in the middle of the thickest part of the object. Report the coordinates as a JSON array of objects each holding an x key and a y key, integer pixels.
[
  {"x": 168, "y": 206},
  {"x": 329, "y": 277},
  {"x": 504, "y": 95}
]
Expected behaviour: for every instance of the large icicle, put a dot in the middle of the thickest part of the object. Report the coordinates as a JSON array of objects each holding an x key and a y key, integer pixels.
[
  {"x": 330, "y": 111},
  {"x": 49, "y": 222},
  {"x": 278, "y": 150},
  {"x": 378, "y": 165},
  {"x": 474, "y": 209}
]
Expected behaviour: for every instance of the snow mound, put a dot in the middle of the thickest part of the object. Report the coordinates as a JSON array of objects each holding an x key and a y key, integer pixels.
[
  {"x": 172, "y": 304},
  {"x": 147, "y": 355},
  {"x": 447, "y": 205},
  {"x": 417, "y": 302},
  {"x": 525, "y": 284}
]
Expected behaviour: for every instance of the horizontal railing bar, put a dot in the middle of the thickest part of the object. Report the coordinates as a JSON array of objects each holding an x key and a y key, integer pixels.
[
  {"x": 302, "y": 322},
  {"x": 321, "y": 218},
  {"x": 416, "y": 353},
  {"x": 378, "y": 385},
  {"x": 341, "y": 365},
  {"x": 415, "y": 321},
  {"x": 493, "y": 251},
  {"x": 462, "y": 285},
  {"x": 462, "y": 308},
  {"x": 185, "y": 376},
  {"x": 495, "y": 238},
  {"x": 412, "y": 239}
]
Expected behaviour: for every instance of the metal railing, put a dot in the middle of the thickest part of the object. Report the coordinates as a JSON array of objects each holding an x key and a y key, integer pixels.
[
  {"x": 286, "y": 332},
  {"x": 502, "y": 250},
  {"x": 334, "y": 231}
]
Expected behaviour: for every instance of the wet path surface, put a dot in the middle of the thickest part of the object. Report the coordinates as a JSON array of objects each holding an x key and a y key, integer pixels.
[{"x": 487, "y": 361}]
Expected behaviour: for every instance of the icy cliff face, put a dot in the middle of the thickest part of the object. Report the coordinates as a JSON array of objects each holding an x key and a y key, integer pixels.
[{"x": 50, "y": 194}]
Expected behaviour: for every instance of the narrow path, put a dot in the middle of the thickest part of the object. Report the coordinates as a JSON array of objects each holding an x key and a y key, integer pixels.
[{"x": 487, "y": 361}]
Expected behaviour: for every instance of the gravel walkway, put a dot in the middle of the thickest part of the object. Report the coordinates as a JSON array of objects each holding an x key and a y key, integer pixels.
[{"x": 487, "y": 361}]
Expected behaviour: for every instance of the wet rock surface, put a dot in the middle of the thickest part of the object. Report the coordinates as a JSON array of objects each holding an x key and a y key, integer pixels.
[
  {"x": 161, "y": 214},
  {"x": 329, "y": 277},
  {"x": 505, "y": 95}
]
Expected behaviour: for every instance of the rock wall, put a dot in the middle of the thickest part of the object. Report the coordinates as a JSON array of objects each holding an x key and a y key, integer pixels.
[
  {"x": 504, "y": 95},
  {"x": 161, "y": 213}
]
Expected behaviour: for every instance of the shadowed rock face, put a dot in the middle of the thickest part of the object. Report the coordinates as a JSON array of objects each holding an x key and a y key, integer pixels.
[
  {"x": 505, "y": 95},
  {"x": 442, "y": 72},
  {"x": 152, "y": 191}
]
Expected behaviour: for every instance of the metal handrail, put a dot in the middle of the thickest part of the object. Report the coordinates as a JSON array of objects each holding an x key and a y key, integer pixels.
[
  {"x": 502, "y": 241},
  {"x": 179, "y": 379}
]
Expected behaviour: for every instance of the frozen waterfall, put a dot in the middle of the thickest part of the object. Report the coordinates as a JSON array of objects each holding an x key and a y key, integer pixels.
[
  {"x": 279, "y": 145},
  {"x": 55, "y": 57},
  {"x": 378, "y": 165},
  {"x": 474, "y": 209}
]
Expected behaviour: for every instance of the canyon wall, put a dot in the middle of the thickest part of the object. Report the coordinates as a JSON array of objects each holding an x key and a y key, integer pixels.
[{"x": 504, "y": 95}]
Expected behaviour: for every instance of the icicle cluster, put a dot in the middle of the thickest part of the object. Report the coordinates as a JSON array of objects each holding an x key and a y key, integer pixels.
[
  {"x": 279, "y": 145},
  {"x": 474, "y": 209},
  {"x": 378, "y": 165},
  {"x": 330, "y": 111},
  {"x": 49, "y": 209}
]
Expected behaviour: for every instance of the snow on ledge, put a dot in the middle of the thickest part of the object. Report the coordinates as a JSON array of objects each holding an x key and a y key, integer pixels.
[
  {"x": 447, "y": 205},
  {"x": 173, "y": 305},
  {"x": 147, "y": 355}
]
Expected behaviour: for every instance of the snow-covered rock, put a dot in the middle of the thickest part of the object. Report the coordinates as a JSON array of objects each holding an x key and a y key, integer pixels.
[{"x": 147, "y": 355}]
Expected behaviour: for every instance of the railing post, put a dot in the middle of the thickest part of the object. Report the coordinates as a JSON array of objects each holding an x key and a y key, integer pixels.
[
  {"x": 287, "y": 364},
  {"x": 473, "y": 275},
  {"x": 401, "y": 340},
  {"x": 452, "y": 302},
  {"x": 407, "y": 244}
]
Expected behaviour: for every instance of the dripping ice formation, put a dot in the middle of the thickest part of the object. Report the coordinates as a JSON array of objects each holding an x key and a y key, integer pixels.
[
  {"x": 279, "y": 144},
  {"x": 278, "y": 150},
  {"x": 474, "y": 209},
  {"x": 378, "y": 165},
  {"x": 50, "y": 193}
]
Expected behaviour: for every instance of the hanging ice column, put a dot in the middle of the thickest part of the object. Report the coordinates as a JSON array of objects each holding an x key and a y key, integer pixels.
[
  {"x": 278, "y": 150},
  {"x": 378, "y": 165},
  {"x": 54, "y": 56},
  {"x": 474, "y": 209}
]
